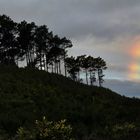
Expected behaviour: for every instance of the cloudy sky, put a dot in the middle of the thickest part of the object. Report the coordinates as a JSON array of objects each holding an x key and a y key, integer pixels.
[{"x": 106, "y": 28}]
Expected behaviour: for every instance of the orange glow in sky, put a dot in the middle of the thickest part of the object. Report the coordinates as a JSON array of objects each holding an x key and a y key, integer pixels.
[
  {"x": 134, "y": 68},
  {"x": 134, "y": 71},
  {"x": 135, "y": 51}
]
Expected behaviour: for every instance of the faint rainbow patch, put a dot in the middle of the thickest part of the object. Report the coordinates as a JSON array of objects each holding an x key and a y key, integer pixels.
[
  {"x": 134, "y": 67},
  {"x": 134, "y": 71}
]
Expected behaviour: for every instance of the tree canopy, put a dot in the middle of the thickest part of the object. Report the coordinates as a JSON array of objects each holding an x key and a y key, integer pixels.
[{"x": 39, "y": 48}]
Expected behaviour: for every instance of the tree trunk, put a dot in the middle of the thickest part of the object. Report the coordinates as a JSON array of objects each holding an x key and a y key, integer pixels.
[
  {"x": 79, "y": 76},
  {"x": 86, "y": 77},
  {"x": 59, "y": 63},
  {"x": 40, "y": 61},
  {"x": 65, "y": 66},
  {"x": 57, "y": 66},
  {"x": 99, "y": 78},
  {"x": 90, "y": 78},
  {"x": 27, "y": 61},
  {"x": 52, "y": 67}
]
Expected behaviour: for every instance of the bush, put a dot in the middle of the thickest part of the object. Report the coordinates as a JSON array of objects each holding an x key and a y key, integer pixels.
[{"x": 46, "y": 130}]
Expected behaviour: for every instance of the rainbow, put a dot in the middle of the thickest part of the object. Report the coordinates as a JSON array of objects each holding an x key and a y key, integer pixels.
[{"x": 134, "y": 67}]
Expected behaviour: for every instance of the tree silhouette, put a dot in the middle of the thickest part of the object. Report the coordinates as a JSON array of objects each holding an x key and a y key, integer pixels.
[
  {"x": 41, "y": 42},
  {"x": 41, "y": 49},
  {"x": 66, "y": 43},
  {"x": 100, "y": 66},
  {"x": 8, "y": 43},
  {"x": 48, "y": 54},
  {"x": 84, "y": 65},
  {"x": 72, "y": 67},
  {"x": 26, "y": 41},
  {"x": 56, "y": 53},
  {"x": 91, "y": 69}
]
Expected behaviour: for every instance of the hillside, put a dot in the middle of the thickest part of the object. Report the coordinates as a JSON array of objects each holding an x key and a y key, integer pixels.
[{"x": 93, "y": 112}]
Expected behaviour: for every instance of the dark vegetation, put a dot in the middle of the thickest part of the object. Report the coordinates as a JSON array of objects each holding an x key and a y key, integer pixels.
[
  {"x": 94, "y": 113},
  {"x": 38, "y": 48},
  {"x": 27, "y": 94}
]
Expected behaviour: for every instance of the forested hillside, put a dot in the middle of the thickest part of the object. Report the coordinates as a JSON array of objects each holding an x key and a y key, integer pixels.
[
  {"x": 94, "y": 113},
  {"x": 27, "y": 44},
  {"x": 70, "y": 108}
]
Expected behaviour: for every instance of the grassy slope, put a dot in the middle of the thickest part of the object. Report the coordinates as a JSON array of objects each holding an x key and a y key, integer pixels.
[{"x": 27, "y": 95}]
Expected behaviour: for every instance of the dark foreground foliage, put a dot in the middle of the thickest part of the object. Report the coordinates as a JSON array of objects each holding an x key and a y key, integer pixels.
[
  {"x": 94, "y": 113},
  {"x": 46, "y": 130}
]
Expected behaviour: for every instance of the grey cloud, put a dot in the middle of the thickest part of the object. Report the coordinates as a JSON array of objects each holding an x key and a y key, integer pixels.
[
  {"x": 102, "y": 18},
  {"x": 120, "y": 68},
  {"x": 127, "y": 88},
  {"x": 97, "y": 27}
]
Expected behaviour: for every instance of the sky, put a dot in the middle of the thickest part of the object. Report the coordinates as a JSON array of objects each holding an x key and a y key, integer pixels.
[{"x": 106, "y": 28}]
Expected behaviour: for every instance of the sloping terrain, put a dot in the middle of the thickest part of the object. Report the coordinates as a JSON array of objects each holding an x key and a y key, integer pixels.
[{"x": 93, "y": 112}]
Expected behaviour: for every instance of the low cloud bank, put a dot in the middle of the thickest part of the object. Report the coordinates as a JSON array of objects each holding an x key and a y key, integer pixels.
[{"x": 123, "y": 87}]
